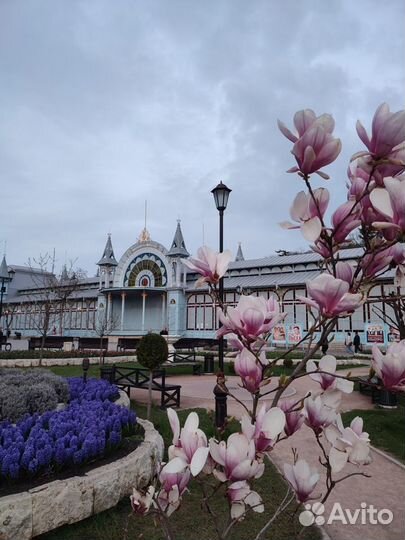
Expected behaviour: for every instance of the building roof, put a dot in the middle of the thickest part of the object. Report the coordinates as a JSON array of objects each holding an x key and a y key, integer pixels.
[
  {"x": 178, "y": 248},
  {"x": 108, "y": 258},
  {"x": 239, "y": 254},
  {"x": 4, "y": 269}
]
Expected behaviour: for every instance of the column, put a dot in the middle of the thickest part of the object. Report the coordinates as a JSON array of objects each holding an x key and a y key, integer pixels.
[
  {"x": 109, "y": 306},
  {"x": 164, "y": 325},
  {"x": 144, "y": 295},
  {"x": 123, "y": 295}
]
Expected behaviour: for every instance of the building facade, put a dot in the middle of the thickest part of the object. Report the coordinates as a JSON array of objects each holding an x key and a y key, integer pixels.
[{"x": 150, "y": 289}]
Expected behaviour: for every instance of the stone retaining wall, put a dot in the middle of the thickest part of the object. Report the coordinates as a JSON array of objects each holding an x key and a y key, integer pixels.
[
  {"x": 43, "y": 508},
  {"x": 46, "y": 362}
]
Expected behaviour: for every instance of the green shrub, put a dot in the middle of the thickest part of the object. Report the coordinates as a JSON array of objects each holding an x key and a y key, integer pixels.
[{"x": 152, "y": 351}]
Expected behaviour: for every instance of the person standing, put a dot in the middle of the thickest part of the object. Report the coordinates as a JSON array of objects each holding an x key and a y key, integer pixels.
[
  {"x": 349, "y": 343},
  {"x": 356, "y": 342}
]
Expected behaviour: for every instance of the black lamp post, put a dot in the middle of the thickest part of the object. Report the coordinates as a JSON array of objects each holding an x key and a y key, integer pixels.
[
  {"x": 221, "y": 195},
  {"x": 85, "y": 367},
  {"x": 5, "y": 277}
]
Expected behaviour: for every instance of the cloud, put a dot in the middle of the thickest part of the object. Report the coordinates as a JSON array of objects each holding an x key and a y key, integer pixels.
[{"x": 106, "y": 104}]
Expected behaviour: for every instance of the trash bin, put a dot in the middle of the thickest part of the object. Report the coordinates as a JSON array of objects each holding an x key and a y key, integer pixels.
[
  {"x": 209, "y": 363},
  {"x": 107, "y": 373},
  {"x": 387, "y": 399}
]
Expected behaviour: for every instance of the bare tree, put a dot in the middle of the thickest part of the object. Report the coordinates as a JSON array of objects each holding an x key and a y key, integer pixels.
[
  {"x": 397, "y": 321},
  {"x": 48, "y": 297},
  {"x": 103, "y": 327}
]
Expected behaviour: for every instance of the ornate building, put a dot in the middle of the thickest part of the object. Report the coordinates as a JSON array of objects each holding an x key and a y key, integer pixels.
[{"x": 150, "y": 289}]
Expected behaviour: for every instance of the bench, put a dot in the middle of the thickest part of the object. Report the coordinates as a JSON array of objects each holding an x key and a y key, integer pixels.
[
  {"x": 5, "y": 343},
  {"x": 127, "y": 378},
  {"x": 369, "y": 389},
  {"x": 93, "y": 343},
  {"x": 185, "y": 358},
  {"x": 193, "y": 343},
  {"x": 51, "y": 342},
  {"x": 125, "y": 344}
]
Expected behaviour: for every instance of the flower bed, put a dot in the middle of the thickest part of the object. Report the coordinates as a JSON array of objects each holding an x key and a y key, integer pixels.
[{"x": 88, "y": 428}]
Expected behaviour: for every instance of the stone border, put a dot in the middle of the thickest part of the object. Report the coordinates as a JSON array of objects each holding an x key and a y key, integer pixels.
[
  {"x": 46, "y": 362},
  {"x": 43, "y": 508}
]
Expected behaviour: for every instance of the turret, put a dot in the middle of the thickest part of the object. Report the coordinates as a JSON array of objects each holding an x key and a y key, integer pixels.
[
  {"x": 177, "y": 252},
  {"x": 107, "y": 264}
]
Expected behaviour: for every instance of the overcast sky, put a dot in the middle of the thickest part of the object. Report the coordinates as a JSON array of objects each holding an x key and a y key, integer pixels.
[{"x": 106, "y": 103}]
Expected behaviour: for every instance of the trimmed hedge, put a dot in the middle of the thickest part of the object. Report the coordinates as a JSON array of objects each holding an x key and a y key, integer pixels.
[{"x": 28, "y": 355}]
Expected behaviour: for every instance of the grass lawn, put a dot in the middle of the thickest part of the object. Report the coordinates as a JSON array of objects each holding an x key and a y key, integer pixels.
[
  {"x": 386, "y": 427},
  {"x": 189, "y": 522}
]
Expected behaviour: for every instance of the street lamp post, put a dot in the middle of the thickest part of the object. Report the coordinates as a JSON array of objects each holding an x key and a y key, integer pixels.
[
  {"x": 221, "y": 194},
  {"x": 5, "y": 277}
]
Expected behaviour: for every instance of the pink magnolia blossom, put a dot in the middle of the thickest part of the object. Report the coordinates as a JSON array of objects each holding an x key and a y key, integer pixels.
[
  {"x": 314, "y": 146},
  {"x": 251, "y": 318},
  {"x": 390, "y": 202},
  {"x": 382, "y": 260},
  {"x": 345, "y": 271},
  {"x": 318, "y": 414},
  {"x": 349, "y": 444},
  {"x": 210, "y": 264},
  {"x": 345, "y": 219},
  {"x": 241, "y": 496},
  {"x": 302, "y": 479},
  {"x": 267, "y": 427},
  {"x": 388, "y": 132},
  {"x": 237, "y": 457},
  {"x": 141, "y": 500},
  {"x": 308, "y": 213},
  {"x": 250, "y": 370},
  {"x": 327, "y": 379},
  {"x": 331, "y": 297},
  {"x": 391, "y": 366},
  {"x": 293, "y": 418},
  {"x": 173, "y": 485},
  {"x": 190, "y": 444}
]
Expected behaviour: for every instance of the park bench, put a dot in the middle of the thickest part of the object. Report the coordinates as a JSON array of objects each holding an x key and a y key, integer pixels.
[
  {"x": 92, "y": 343},
  {"x": 128, "y": 377},
  {"x": 191, "y": 344},
  {"x": 51, "y": 342},
  {"x": 127, "y": 344},
  {"x": 5, "y": 343}
]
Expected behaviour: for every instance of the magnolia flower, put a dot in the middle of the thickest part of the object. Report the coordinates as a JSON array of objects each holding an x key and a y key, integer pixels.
[
  {"x": 142, "y": 500},
  {"x": 190, "y": 444},
  {"x": 268, "y": 426},
  {"x": 390, "y": 202},
  {"x": 237, "y": 458},
  {"x": 345, "y": 219},
  {"x": 328, "y": 380},
  {"x": 318, "y": 414},
  {"x": 348, "y": 444},
  {"x": 331, "y": 297},
  {"x": 314, "y": 146},
  {"x": 308, "y": 213},
  {"x": 293, "y": 419},
  {"x": 250, "y": 370},
  {"x": 302, "y": 479},
  {"x": 388, "y": 132},
  {"x": 345, "y": 271},
  {"x": 391, "y": 366},
  {"x": 373, "y": 263},
  {"x": 252, "y": 317},
  {"x": 173, "y": 485},
  {"x": 240, "y": 496},
  {"x": 210, "y": 264}
]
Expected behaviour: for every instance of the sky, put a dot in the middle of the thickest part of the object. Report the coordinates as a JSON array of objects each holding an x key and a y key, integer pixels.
[{"x": 105, "y": 104}]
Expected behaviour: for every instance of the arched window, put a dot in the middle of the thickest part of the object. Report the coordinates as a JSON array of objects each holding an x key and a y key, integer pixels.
[{"x": 146, "y": 270}]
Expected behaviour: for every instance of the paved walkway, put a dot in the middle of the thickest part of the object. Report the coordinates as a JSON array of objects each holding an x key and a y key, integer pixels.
[{"x": 386, "y": 488}]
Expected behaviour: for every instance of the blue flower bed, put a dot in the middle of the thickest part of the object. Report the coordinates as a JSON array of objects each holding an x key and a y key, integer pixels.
[{"x": 89, "y": 427}]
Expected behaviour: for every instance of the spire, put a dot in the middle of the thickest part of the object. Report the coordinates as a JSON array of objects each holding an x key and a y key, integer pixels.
[
  {"x": 108, "y": 258},
  {"x": 239, "y": 254},
  {"x": 178, "y": 248},
  {"x": 64, "y": 276},
  {"x": 4, "y": 269}
]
